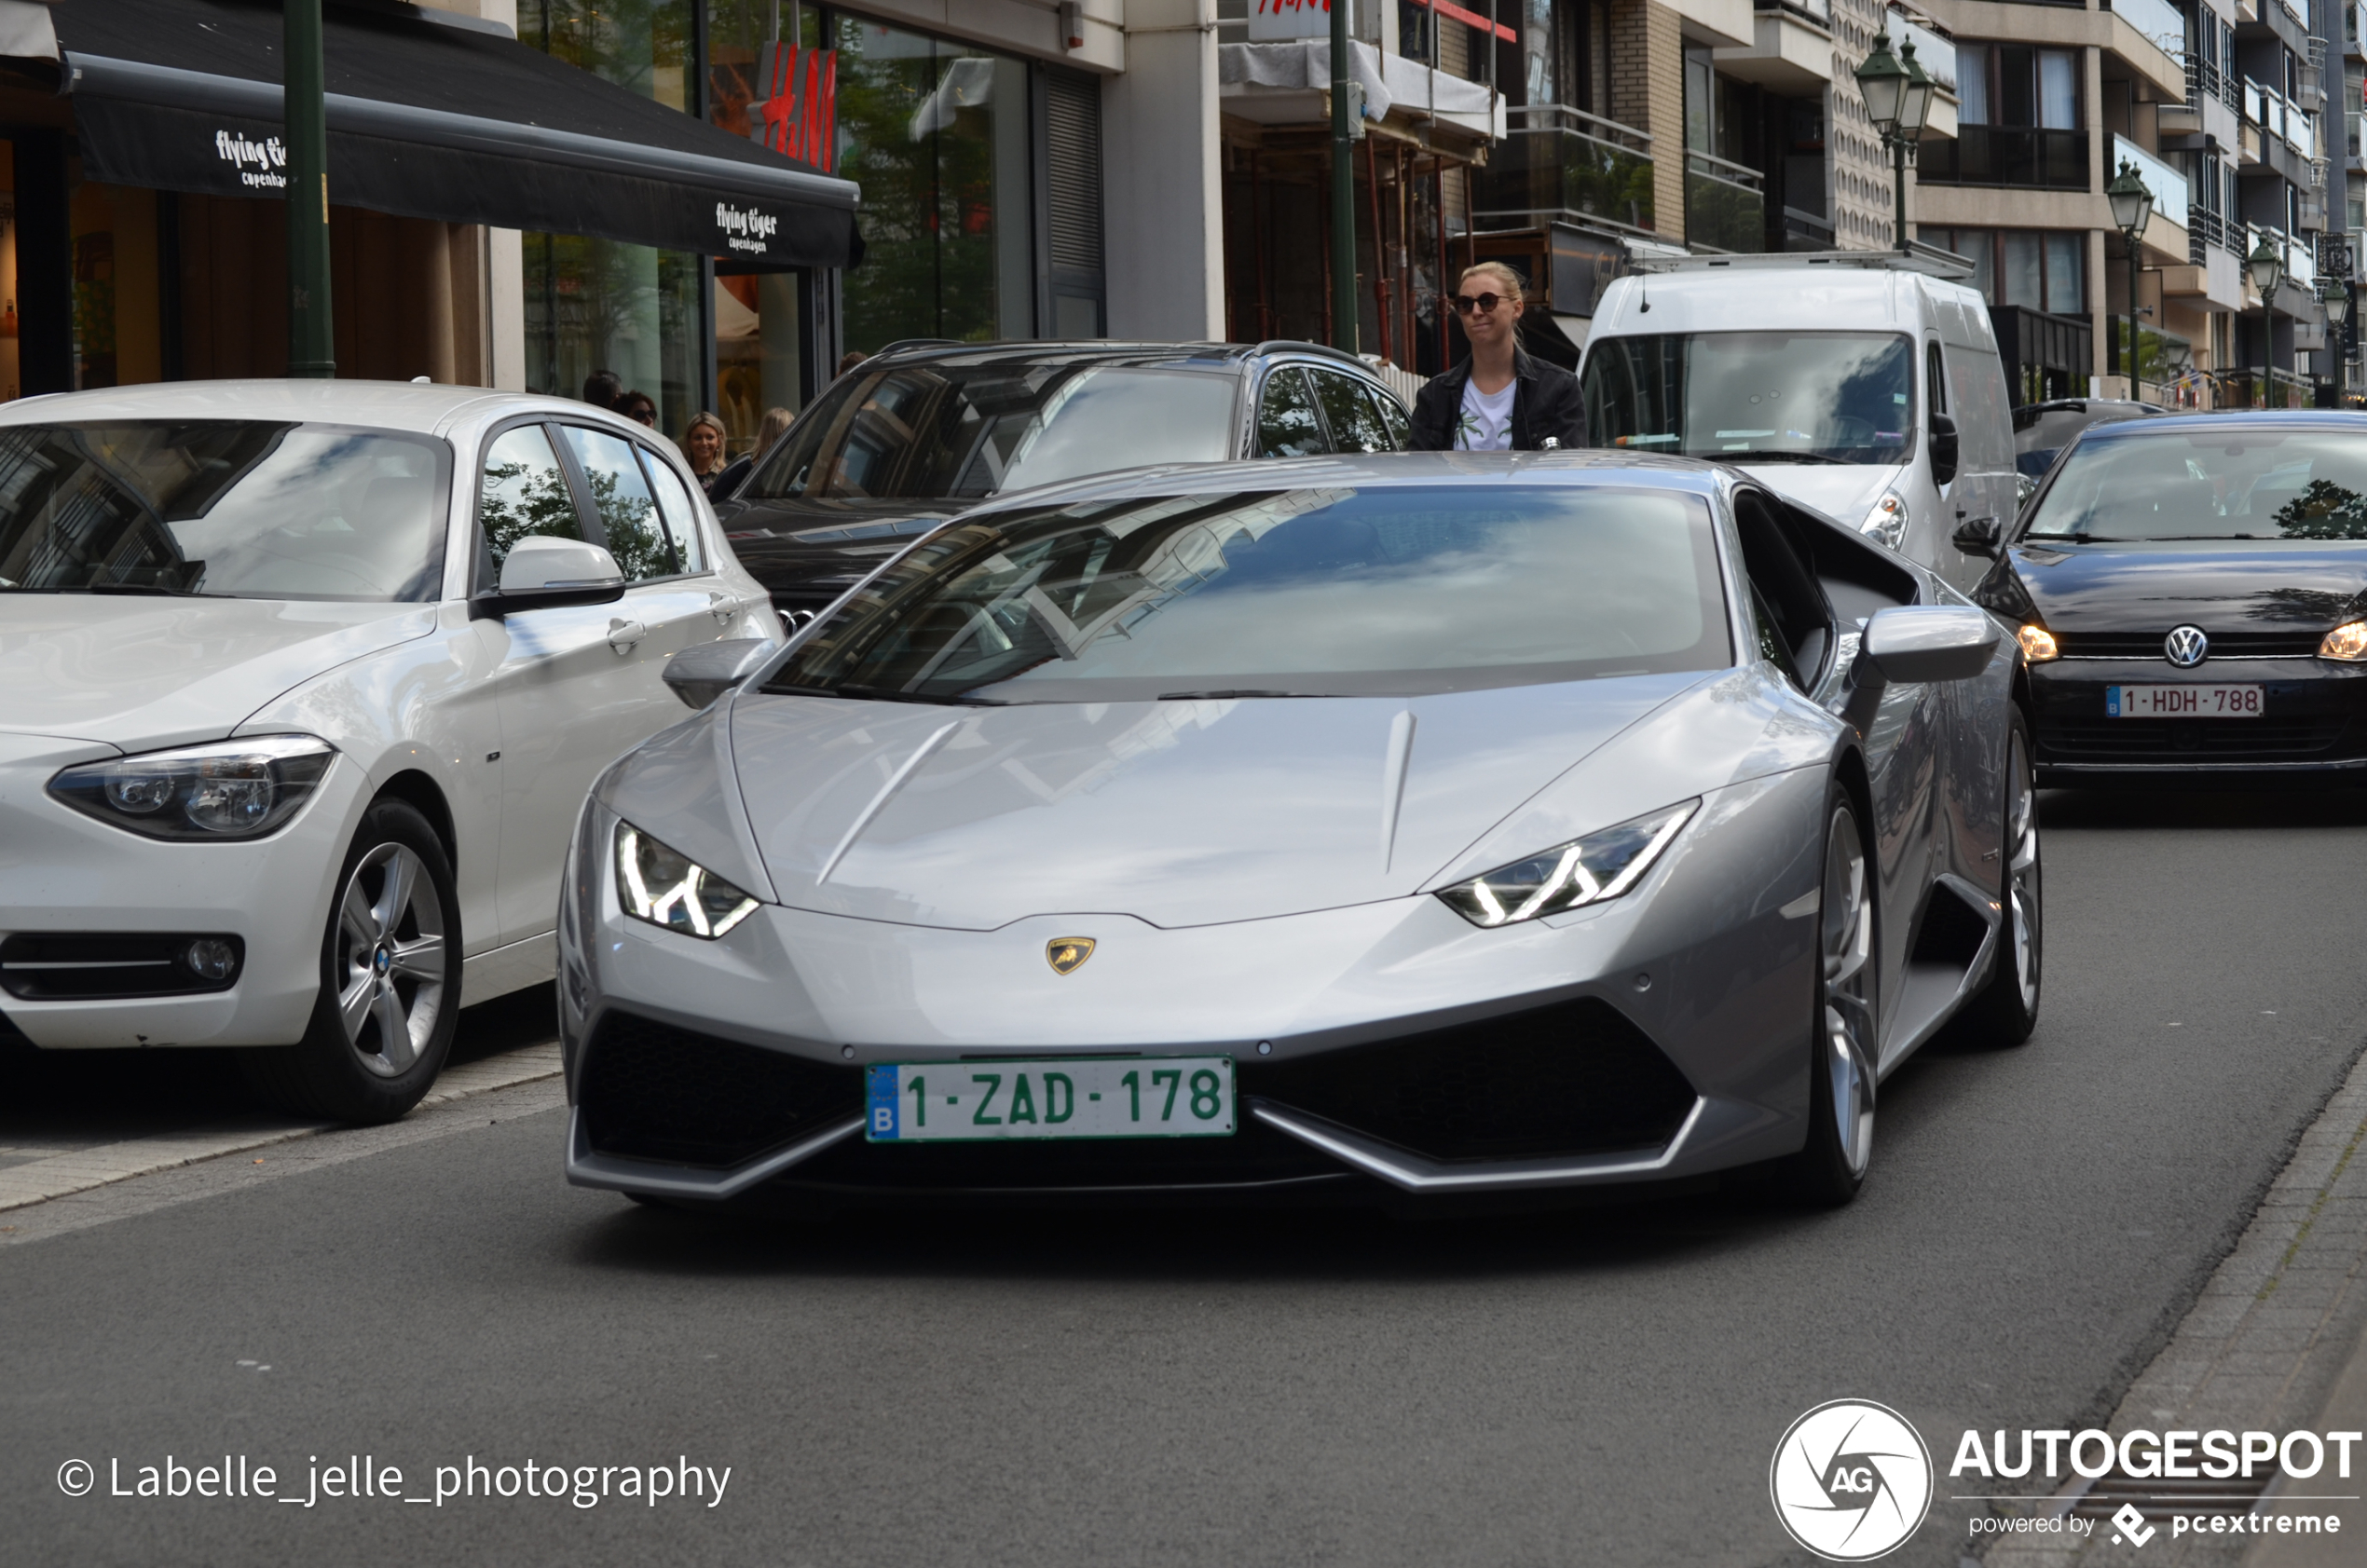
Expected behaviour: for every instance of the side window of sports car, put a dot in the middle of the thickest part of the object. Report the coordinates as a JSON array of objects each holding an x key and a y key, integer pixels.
[
  {"x": 1287, "y": 424},
  {"x": 524, "y": 492},
  {"x": 1770, "y": 640}
]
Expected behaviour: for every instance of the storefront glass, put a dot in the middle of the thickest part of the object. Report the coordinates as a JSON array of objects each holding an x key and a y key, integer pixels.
[
  {"x": 936, "y": 134},
  {"x": 594, "y": 305},
  {"x": 759, "y": 314}
]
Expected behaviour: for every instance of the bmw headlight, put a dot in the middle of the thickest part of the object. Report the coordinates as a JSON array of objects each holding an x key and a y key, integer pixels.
[
  {"x": 1589, "y": 870},
  {"x": 1887, "y": 522},
  {"x": 2346, "y": 642},
  {"x": 225, "y": 789},
  {"x": 666, "y": 888}
]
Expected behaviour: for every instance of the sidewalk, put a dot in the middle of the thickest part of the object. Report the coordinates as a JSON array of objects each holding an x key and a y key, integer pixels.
[{"x": 2274, "y": 1343}]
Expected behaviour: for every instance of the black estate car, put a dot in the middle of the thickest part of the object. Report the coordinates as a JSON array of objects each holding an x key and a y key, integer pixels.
[
  {"x": 2190, "y": 595},
  {"x": 919, "y": 432}
]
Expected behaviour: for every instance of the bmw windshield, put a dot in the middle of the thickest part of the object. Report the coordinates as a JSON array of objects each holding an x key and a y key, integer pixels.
[
  {"x": 223, "y": 508},
  {"x": 937, "y": 431},
  {"x": 1835, "y": 397},
  {"x": 1312, "y": 593},
  {"x": 2240, "y": 482}
]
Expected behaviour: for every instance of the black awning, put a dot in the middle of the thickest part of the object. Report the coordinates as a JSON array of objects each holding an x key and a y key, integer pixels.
[{"x": 433, "y": 116}]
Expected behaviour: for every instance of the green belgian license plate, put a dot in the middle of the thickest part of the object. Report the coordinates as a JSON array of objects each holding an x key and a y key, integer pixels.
[{"x": 1100, "y": 1097}]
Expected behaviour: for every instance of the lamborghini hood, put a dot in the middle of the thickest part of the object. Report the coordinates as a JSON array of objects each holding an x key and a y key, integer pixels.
[{"x": 1180, "y": 814}]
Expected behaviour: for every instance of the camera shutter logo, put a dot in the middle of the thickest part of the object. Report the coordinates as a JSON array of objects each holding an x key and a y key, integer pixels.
[{"x": 1850, "y": 1480}]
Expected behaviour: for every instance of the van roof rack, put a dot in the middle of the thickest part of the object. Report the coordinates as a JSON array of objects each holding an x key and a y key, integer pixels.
[{"x": 1929, "y": 260}]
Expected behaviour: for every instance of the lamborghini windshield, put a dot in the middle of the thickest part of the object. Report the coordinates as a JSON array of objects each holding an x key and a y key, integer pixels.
[
  {"x": 1312, "y": 593},
  {"x": 1835, "y": 397}
]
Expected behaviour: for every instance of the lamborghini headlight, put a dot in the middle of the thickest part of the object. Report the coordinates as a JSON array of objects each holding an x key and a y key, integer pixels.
[
  {"x": 1589, "y": 870},
  {"x": 2038, "y": 645},
  {"x": 662, "y": 887},
  {"x": 2346, "y": 642},
  {"x": 1887, "y": 522},
  {"x": 224, "y": 789}
]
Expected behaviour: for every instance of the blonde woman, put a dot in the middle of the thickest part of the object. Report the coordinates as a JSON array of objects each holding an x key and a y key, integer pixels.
[
  {"x": 1499, "y": 399},
  {"x": 703, "y": 444}
]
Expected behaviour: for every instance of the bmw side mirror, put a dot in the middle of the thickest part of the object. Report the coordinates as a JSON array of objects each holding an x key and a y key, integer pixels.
[
  {"x": 704, "y": 671},
  {"x": 1915, "y": 642},
  {"x": 1978, "y": 536},
  {"x": 541, "y": 572},
  {"x": 1943, "y": 448}
]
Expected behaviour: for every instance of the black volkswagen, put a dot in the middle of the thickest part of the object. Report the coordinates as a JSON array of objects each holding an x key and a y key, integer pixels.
[{"x": 2190, "y": 595}]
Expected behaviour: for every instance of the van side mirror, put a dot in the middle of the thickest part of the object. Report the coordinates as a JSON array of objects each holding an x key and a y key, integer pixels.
[{"x": 1943, "y": 449}]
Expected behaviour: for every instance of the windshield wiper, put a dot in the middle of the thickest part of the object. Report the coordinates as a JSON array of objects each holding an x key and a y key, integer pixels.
[
  {"x": 882, "y": 694},
  {"x": 1768, "y": 455},
  {"x": 139, "y": 588},
  {"x": 1228, "y": 694}
]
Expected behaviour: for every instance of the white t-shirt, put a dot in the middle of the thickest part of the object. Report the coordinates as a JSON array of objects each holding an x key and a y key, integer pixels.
[{"x": 1487, "y": 423}]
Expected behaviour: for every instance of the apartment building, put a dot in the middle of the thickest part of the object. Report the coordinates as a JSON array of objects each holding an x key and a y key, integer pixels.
[{"x": 2217, "y": 107}]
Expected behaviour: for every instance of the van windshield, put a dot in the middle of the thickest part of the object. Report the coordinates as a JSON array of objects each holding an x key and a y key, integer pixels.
[{"x": 1833, "y": 396}]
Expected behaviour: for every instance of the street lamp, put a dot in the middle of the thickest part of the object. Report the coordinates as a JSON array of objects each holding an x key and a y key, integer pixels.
[
  {"x": 2265, "y": 265},
  {"x": 1898, "y": 96},
  {"x": 2132, "y": 206},
  {"x": 2335, "y": 293}
]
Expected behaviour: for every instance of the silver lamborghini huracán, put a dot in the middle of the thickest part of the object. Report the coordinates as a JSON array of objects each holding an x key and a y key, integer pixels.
[{"x": 1413, "y": 824}]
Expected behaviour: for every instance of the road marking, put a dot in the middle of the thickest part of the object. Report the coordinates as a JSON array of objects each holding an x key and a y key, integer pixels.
[{"x": 61, "y": 1175}]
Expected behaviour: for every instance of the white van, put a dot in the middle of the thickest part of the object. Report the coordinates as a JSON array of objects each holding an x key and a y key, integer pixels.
[{"x": 1856, "y": 383}]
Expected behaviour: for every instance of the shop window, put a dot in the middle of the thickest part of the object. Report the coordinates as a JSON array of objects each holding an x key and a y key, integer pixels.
[{"x": 937, "y": 136}]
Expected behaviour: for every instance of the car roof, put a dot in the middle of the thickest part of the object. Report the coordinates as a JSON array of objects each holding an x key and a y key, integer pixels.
[
  {"x": 1376, "y": 469},
  {"x": 1178, "y": 356},
  {"x": 2264, "y": 418},
  {"x": 403, "y": 405}
]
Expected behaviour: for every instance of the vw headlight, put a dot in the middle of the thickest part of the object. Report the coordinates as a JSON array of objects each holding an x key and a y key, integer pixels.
[
  {"x": 1887, "y": 522},
  {"x": 665, "y": 888},
  {"x": 2038, "y": 645},
  {"x": 1589, "y": 870},
  {"x": 225, "y": 789},
  {"x": 2346, "y": 642}
]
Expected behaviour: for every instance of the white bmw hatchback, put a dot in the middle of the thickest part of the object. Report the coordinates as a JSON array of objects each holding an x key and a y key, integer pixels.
[{"x": 301, "y": 686}]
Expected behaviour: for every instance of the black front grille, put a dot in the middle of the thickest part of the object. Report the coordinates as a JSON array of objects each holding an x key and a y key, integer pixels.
[
  {"x": 2223, "y": 645},
  {"x": 1574, "y": 1078},
  {"x": 63, "y": 966},
  {"x": 1254, "y": 1156},
  {"x": 651, "y": 1091},
  {"x": 2205, "y": 739}
]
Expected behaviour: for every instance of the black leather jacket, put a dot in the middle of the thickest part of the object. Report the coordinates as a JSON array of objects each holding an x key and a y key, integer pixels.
[{"x": 1547, "y": 409}]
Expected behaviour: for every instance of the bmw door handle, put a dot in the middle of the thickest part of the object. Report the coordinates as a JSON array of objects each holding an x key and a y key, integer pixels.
[{"x": 623, "y": 634}]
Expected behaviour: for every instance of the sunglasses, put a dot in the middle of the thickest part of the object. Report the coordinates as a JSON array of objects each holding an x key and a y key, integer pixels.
[{"x": 1466, "y": 304}]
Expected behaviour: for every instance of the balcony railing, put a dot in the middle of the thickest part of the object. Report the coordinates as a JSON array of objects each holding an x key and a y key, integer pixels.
[
  {"x": 2158, "y": 20},
  {"x": 2301, "y": 255},
  {"x": 2169, "y": 184},
  {"x": 1725, "y": 207},
  {"x": 2277, "y": 115},
  {"x": 2205, "y": 227},
  {"x": 2204, "y": 79},
  {"x": 1819, "y": 11},
  {"x": 2007, "y": 155},
  {"x": 1562, "y": 162}
]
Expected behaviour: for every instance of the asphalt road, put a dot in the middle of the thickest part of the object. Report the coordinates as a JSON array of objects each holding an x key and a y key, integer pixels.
[{"x": 1100, "y": 1388}]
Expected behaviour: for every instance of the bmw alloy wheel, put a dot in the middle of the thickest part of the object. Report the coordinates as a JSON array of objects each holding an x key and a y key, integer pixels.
[
  {"x": 389, "y": 972},
  {"x": 1848, "y": 951}
]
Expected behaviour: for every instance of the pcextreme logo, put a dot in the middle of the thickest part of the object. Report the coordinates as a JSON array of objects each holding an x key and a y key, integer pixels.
[{"x": 1850, "y": 1480}]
